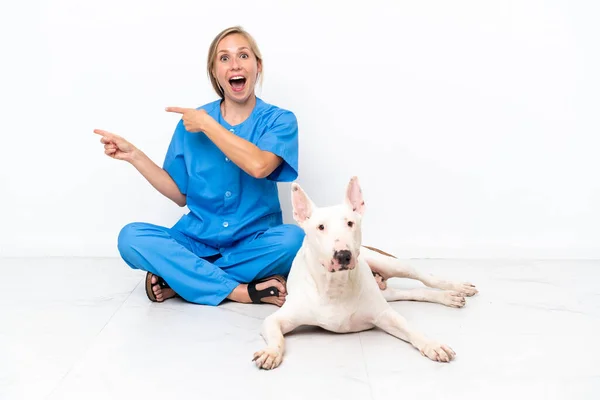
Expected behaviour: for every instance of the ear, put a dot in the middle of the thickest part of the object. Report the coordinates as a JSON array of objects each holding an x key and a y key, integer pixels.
[
  {"x": 301, "y": 204},
  {"x": 354, "y": 197}
]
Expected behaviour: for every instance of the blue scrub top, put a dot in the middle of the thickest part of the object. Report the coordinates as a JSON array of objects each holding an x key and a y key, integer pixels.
[{"x": 226, "y": 204}]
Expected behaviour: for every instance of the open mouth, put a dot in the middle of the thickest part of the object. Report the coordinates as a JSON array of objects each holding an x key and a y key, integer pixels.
[{"x": 237, "y": 83}]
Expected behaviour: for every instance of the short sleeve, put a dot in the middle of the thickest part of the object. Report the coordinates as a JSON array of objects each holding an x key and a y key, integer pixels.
[
  {"x": 281, "y": 139},
  {"x": 174, "y": 162}
]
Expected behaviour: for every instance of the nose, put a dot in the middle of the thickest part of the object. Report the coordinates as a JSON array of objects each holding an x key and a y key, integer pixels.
[{"x": 343, "y": 256}]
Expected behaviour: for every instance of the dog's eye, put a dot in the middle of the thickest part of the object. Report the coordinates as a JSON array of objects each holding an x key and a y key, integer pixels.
[
  {"x": 350, "y": 224},
  {"x": 321, "y": 227}
]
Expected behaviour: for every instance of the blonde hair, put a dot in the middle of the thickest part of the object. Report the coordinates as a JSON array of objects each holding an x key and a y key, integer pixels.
[{"x": 212, "y": 54}]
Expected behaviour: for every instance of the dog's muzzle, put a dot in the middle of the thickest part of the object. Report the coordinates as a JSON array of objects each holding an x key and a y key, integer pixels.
[
  {"x": 342, "y": 261},
  {"x": 343, "y": 257}
]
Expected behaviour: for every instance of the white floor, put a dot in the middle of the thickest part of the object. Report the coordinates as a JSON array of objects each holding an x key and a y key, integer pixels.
[{"x": 84, "y": 329}]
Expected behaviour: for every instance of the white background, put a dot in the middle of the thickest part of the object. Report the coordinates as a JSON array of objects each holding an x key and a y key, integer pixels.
[{"x": 472, "y": 125}]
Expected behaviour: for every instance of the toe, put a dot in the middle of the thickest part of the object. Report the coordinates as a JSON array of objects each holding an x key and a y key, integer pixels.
[
  {"x": 260, "y": 361},
  {"x": 449, "y": 351},
  {"x": 469, "y": 289},
  {"x": 268, "y": 363},
  {"x": 279, "y": 286},
  {"x": 272, "y": 283}
]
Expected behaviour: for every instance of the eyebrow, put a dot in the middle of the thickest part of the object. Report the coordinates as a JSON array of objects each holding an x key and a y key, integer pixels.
[{"x": 226, "y": 51}]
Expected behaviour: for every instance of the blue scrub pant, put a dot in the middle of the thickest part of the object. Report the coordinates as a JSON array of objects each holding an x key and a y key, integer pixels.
[{"x": 170, "y": 254}]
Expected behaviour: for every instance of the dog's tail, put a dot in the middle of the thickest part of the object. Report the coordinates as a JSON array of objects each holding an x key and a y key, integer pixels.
[{"x": 379, "y": 251}]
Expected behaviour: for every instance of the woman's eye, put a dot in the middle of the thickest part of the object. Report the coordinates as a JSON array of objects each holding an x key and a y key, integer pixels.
[
  {"x": 244, "y": 56},
  {"x": 321, "y": 227},
  {"x": 223, "y": 58}
]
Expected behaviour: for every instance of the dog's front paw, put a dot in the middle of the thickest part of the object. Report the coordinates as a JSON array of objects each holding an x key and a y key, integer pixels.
[
  {"x": 267, "y": 358},
  {"x": 437, "y": 352}
]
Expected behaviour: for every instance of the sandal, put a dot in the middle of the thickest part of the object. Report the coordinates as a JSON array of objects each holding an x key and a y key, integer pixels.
[
  {"x": 257, "y": 295},
  {"x": 149, "y": 284}
]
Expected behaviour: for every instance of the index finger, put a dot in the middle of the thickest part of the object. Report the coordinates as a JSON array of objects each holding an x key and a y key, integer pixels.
[
  {"x": 179, "y": 110},
  {"x": 104, "y": 133}
]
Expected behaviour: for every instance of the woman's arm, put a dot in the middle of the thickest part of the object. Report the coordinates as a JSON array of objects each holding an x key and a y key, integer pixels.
[
  {"x": 244, "y": 154},
  {"x": 117, "y": 147},
  {"x": 158, "y": 177}
]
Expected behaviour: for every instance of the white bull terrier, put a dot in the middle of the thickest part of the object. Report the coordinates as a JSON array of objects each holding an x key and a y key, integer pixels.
[{"x": 331, "y": 283}]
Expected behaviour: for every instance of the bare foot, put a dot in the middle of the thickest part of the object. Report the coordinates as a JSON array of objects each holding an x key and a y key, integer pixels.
[
  {"x": 240, "y": 293},
  {"x": 160, "y": 293}
]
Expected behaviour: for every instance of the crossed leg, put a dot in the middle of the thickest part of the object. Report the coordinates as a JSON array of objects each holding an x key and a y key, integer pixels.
[{"x": 388, "y": 266}]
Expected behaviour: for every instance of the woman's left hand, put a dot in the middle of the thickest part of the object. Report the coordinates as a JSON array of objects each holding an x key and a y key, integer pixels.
[{"x": 193, "y": 120}]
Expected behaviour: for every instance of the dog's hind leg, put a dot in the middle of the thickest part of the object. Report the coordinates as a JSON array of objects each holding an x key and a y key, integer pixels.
[
  {"x": 448, "y": 298},
  {"x": 389, "y": 266}
]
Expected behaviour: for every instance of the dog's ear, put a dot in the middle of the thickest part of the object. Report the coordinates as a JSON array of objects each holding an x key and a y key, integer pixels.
[
  {"x": 354, "y": 196},
  {"x": 301, "y": 204}
]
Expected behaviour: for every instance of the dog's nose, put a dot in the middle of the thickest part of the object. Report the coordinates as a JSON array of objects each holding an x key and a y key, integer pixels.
[{"x": 343, "y": 256}]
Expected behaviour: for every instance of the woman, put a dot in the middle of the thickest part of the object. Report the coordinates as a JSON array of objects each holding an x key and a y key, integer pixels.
[{"x": 224, "y": 161}]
